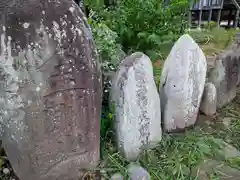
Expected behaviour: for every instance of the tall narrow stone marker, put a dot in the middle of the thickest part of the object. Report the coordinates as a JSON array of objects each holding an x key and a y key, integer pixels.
[{"x": 137, "y": 106}]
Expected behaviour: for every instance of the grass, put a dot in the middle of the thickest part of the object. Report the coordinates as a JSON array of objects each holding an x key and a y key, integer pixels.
[
  {"x": 210, "y": 41},
  {"x": 177, "y": 156},
  {"x": 174, "y": 158},
  {"x": 214, "y": 40},
  {"x": 233, "y": 133}
]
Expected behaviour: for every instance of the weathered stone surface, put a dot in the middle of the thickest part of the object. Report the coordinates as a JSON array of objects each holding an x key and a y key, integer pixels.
[
  {"x": 230, "y": 151},
  {"x": 226, "y": 75},
  {"x": 50, "y": 90},
  {"x": 182, "y": 84},
  {"x": 227, "y": 122},
  {"x": 210, "y": 168},
  {"x": 137, "y": 172},
  {"x": 209, "y": 100},
  {"x": 117, "y": 176},
  {"x": 137, "y": 106}
]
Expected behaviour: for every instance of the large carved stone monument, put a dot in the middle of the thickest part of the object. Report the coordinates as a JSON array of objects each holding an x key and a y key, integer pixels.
[
  {"x": 182, "y": 84},
  {"x": 50, "y": 90}
]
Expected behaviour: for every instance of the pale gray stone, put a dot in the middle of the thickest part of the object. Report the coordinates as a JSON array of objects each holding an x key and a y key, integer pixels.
[
  {"x": 227, "y": 122},
  {"x": 209, "y": 100},
  {"x": 182, "y": 84},
  {"x": 137, "y": 106},
  {"x": 137, "y": 172},
  {"x": 117, "y": 176},
  {"x": 230, "y": 151}
]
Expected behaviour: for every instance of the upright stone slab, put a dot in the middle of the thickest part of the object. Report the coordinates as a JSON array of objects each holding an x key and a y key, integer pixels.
[
  {"x": 182, "y": 84},
  {"x": 226, "y": 75},
  {"x": 137, "y": 106},
  {"x": 50, "y": 93},
  {"x": 209, "y": 100}
]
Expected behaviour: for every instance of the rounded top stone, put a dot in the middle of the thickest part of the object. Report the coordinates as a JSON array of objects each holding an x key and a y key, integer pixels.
[{"x": 130, "y": 60}]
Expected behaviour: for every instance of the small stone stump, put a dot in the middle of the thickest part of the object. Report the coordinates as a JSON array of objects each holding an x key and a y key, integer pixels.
[
  {"x": 137, "y": 172},
  {"x": 117, "y": 176},
  {"x": 209, "y": 100}
]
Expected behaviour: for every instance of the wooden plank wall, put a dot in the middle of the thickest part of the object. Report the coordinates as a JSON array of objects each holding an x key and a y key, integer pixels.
[{"x": 207, "y": 4}]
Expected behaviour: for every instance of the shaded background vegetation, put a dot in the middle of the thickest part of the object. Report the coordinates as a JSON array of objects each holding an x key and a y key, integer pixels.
[
  {"x": 141, "y": 25},
  {"x": 152, "y": 26}
]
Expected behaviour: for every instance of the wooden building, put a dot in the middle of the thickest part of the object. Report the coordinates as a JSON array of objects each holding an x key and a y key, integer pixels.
[{"x": 215, "y": 10}]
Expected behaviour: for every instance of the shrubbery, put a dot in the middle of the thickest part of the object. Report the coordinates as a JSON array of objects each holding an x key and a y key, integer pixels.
[
  {"x": 109, "y": 50},
  {"x": 126, "y": 26},
  {"x": 106, "y": 41},
  {"x": 143, "y": 25}
]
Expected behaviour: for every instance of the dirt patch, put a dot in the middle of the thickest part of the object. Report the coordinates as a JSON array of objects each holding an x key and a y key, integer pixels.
[{"x": 158, "y": 63}]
